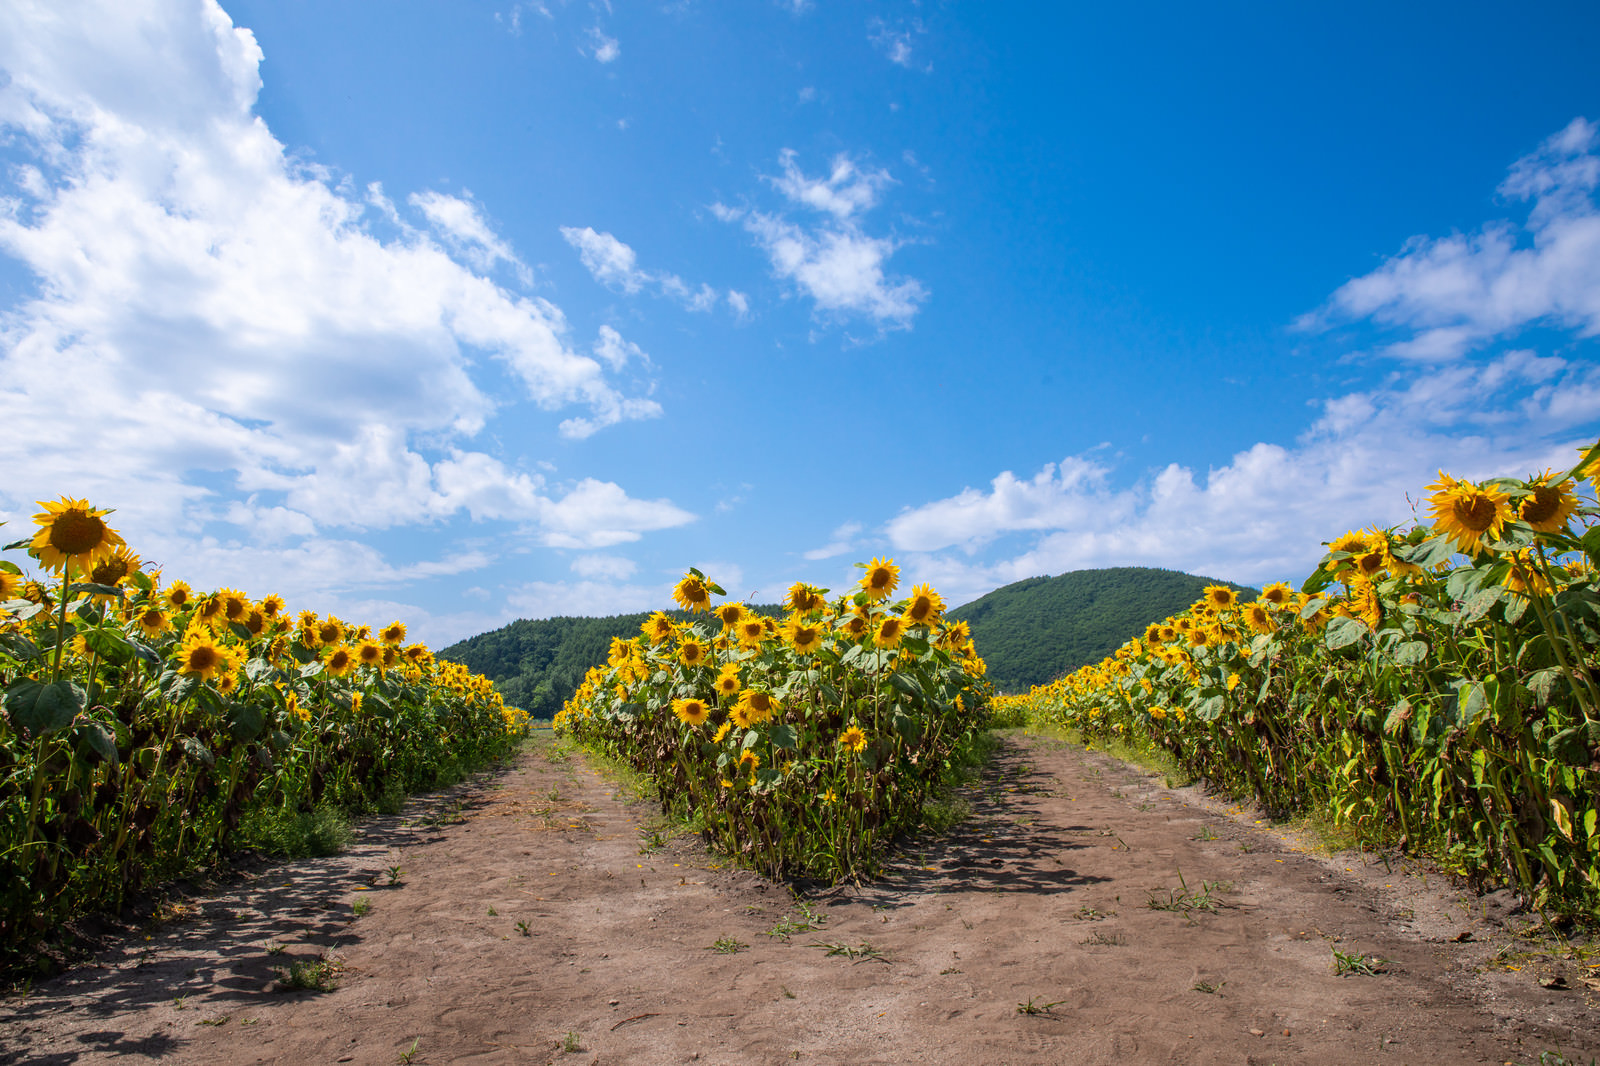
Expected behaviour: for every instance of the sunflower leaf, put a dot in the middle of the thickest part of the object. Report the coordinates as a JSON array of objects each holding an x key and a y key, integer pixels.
[
  {"x": 1410, "y": 652},
  {"x": 94, "y": 589},
  {"x": 43, "y": 709},
  {"x": 98, "y": 739},
  {"x": 193, "y": 748},
  {"x": 1480, "y": 603},
  {"x": 110, "y": 645},
  {"x": 783, "y": 738},
  {"x": 14, "y": 545},
  {"x": 18, "y": 646},
  {"x": 245, "y": 722},
  {"x": 1343, "y": 632}
]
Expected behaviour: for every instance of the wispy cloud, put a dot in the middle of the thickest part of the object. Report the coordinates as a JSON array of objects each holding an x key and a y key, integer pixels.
[
  {"x": 833, "y": 261},
  {"x": 250, "y": 361},
  {"x": 604, "y": 49},
  {"x": 1446, "y": 296},
  {"x": 895, "y": 42},
  {"x": 616, "y": 265}
]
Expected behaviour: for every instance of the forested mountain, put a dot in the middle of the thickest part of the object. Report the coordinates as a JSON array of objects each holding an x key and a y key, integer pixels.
[
  {"x": 1028, "y": 632},
  {"x": 1031, "y": 631}
]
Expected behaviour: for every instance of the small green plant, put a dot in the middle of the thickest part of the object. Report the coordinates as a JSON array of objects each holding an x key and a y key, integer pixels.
[
  {"x": 320, "y": 975},
  {"x": 493, "y": 913},
  {"x": 1105, "y": 940},
  {"x": 1356, "y": 963},
  {"x": 1186, "y": 902},
  {"x": 728, "y": 945},
  {"x": 395, "y": 873},
  {"x": 1032, "y": 1006},
  {"x": 1206, "y": 833},
  {"x": 1208, "y": 988},
  {"x": 178, "y": 1001},
  {"x": 1090, "y": 914},
  {"x": 277, "y": 949},
  {"x": 524, "y": 928},
  {"x": 654, "y": 840},
  {"x": 572, "y": 1043},
  {"x": 855, "y": 954},
  {"x": 221, "y": 1019},
  {"x": 411, "y": 1052},
  {"x": 361, "y": 908}
]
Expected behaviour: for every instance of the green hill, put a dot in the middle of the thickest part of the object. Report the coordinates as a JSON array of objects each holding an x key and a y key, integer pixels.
[{"x": 1034, "y": 630}]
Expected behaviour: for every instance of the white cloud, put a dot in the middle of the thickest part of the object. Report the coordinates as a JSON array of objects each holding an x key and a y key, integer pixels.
[
  {"x": 553, "y": 599},
  {"x": 615, "y": 265},
  {"x": 894, "y": 43},
  {"x": 462, "y": 226},
  {"x": 834, "y": 262},
  {"x": 234, "y": 341},
  {"x": 608, "y": 567},
  {"x": 1455, "y": 294},
  {"x": 842, "y": 540},
  {"x": 603, "y": 48}
]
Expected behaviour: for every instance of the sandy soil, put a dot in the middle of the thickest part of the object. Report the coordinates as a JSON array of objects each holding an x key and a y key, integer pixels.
[{"x": 536, "y": 919}]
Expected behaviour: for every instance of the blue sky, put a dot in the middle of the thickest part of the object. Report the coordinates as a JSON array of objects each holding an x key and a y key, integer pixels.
[{"x": 473, "y": 311}]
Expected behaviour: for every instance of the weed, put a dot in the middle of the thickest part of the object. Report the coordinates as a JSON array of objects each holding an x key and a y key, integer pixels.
[
  {"x": 524, "y": 928},
  {"x": 296, "y": 834},
  {"x": 1089, "y": 914},
  {"x": 1208, "y": 988},
  {"x": 1186, "y": 902},
  {"x": 411, "y": 1052},
  {"x": 321, "y": 975},
  {"x": 493, "y": 913},
  {"x": 1105, "y": 940},
  {"x": 1206, "y": 833},
  {"x": 1032, "y": 1006},
  {"x": 361, "y": 908},
  {"x": 572, "y": 1043},
  {"x": 395, "y": 873},
  {"x": 854, "y": 954},
  {"x": 277, "y": 949},
  {"x": 728, "y": 945},
  {"x": 1356, "y": 963},
  {"x": 949, "y": 970},
  {"x": 654, "y": 840},
  {"x": 221, "y": 1019},
  {"x": 177, "y": 1002},
  {"x": 786, "y": 993}
]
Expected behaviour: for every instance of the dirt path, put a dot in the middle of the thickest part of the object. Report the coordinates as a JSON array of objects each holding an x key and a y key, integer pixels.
[{"x": 533, "y": 922}]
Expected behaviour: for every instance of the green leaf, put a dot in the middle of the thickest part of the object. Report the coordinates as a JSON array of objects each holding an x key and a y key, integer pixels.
[
  {"x": 1542, "y": 682},
  {"x": 1515, "y": 608},
  {"x": 18, "y": 646},
  {"x": 98, "y": 739},
  {"x": 193, "y": 748},
  {"x": 906, "y": 685},
  {"x": 783, "y": 738},
  {"x": 1311, "y": 608},
  {"x": 1480, "y": 603},
  {"x": 109, "y": 644},
  {"x": 1399, "y": 714},
  {"x": 14, "y": 545},
  {"x": 1471, "y": 702},
  {"x": 1320, "y": 579},
  {"x": 43, "y": 709},
  {"x": 1343, "y": 632},
  {"x": 245, "y": 722},
  {"x": 1571, "y": 746},
  {"x": 1210, "y": 708},
  {"x": 92, "y": 589},
  {"x": 1410, "y": 652}
]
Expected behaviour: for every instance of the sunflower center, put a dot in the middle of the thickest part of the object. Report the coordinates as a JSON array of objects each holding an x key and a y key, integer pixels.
[
  {"x": 75, "y": 532},
  {"x": 1476, "y": 512},
  {"x": 202, "y": 658},
  {"x": 1541, "y": 506}
]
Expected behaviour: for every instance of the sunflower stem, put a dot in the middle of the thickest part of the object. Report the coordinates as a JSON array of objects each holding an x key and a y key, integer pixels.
[{"x": 61, "y": 624}]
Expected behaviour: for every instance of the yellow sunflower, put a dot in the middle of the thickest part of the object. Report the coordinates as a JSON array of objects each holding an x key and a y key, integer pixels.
[
  {"x": 330, "y": 631},
  {"x": 729, "y": 614},
  {"x": 880, "y": 579},
  {"x": 802, "y": 635},
  {"x": 1220, "y": 597},
  {"x": 749, "y": 761},
  {"x": 853, "y": 739},
  {"x": 722, "y": 732},
  {"x": 889, "y": 632},
  {"x": 393, "y": 633},
  {"x": 72, "y": 533},
  {"x": 691, "y": 594},
  {"x": 114, "y": 568},
  {"x": 341, "y": 660},
  {"x": 1258, "y": 616},
  {"x": 728, "y": 683},
  {"x": 924, "y": 606},
  {"x": 691, "y": 652},
  {"x": 691, "y": 711},
  {"x": 235, "y": 604},
  {"x": 273, "y": 606},
  {"x": 757, "y": 706},
  {"x": 201, "y": 656},
  {"x": 1467, "y": 513},
  {"x": 1549, "y": 504},
  {"x": 752, "y": 631},
  {"x": 657, "y": 627},
  {"x": 1278, "y": 594},
  {"x": 369, "y": 653},
  {"x": 856, "y": 625},
  {"x": 256, "y": 621},
  {"x": 1351, "y": 543}
]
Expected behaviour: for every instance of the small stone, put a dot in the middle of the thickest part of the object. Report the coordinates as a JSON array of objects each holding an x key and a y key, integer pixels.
[
  {"x": 1286, "y": 1032},
  {"x": 613, "y": 1002},
  {"x": 1257, "y": 1032}
]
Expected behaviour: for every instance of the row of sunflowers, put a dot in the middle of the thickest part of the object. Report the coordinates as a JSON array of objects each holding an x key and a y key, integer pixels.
[
  {"x": 1437, "y": 686},
  {"x": 146, "y": 722},
  {"x": 802, "y": 745}
]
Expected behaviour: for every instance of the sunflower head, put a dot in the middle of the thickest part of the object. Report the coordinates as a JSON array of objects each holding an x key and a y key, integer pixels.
[
  {"x": 256, "y": 621},
  {"x": 273, "y": 606},
  {"x": 758, "y": 706},
  {"x": 924, "y": 606},
  {"x": 1351, "y": 543},
  {"x": 691, "y": 593},
  {"x": 340, "y": 661},
  {"x": 880, "y": 579},
  {"x": 802, "y": 634},
  {"x": 853, "y": 739},
  {"x": 728, "y": 683},
  {"x": 657, "y": 627},
  {"x": 751, "y": 631},
  {"x": 1220, "y": 597},
  {"x": 691, "y": 652},
  {"x": 393, "y": 633},
  {"x": 179, "y": 596},
  {"x": 1466, "y": 512},
  {"x": 235, "y": 604},
  {"x": 115, "y": 567},
  {"x": 369, "y": 653},
  {"x": 201, "y": 656},
  {"x": 889, "y": 632},
  {"x": 729, "y": 614},
  {"x": 691, "y": 711},
  {"x": 330, "y": 631},
  {"x": 1278, "y": 594},
  {"x": 71, "y": 532},
  {"x": 1548, "y": 504}
]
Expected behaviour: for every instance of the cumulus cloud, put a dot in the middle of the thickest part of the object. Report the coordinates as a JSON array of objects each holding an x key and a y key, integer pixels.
[
  {"x": 604, "y": 49},
  {"x": 608, "y": 567},
  {"x": 234, "y": 339},
  {"x": 833, "y": 261},
  {"x": 1451, "y": 295},
  {"x": 616, "y": 265},
  {"x": 842, "y": 540}
]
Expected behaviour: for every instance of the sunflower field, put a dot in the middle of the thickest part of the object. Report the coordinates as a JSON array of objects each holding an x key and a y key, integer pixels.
[
  {"x": 802, "y": 745},
  {"x": 1436, "y": 687},
  {"x": 146, "y": 723}
]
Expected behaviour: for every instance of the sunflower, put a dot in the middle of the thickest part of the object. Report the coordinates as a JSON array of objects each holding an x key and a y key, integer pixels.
[
  {"x": 273, "y": 606},
  {"x": 1278, "y": 593},
  {"x": 1258, "y": 616},
  {"x": 115, "y": 567},
  {"x": 752, "y": 631},
  {"x": 621, "y": 652},
  {"x": 749, "y": 761},
  {"x": 1169, "y": 634},
  {"x": 393, "y": 633},
  {"x": 1466, "y": 512},
  {"x": 72, "y": 533},
  {"x": 691, "y": 652},
  {"x": 728, "y": 683},
  {"x": 201, "y": 656},
  {"x": 419, "y": 654},
  {"x": 757, "y": 706},
  {"x": 1373, "y": 561},
  {"x": 1152, "y": 633},
  {"x": 340, "y": 661},
  {"x": 924, "y": 606},
  {"x": 34, "y": 592},
  {"x": 691, "y": 711},
  {"x": 804, "y": 597},
  {"x": 256, "y": 621},
  {"x": 722, "y": 732},
  {"x": 855, "y": 625},
  {"x": 369, "y": 653},
  {"x": 1364, "y": 604},
  {"x": 209, "y": 610},
  {"x": 1548, "y": 504},
  {"x": 802, "y": 635},
  {"x": 853, "y": 739},
  {"x": 235, "y": 604},
  {"x": 657, "y": 627},
  {"x": 1525, "y": 575},
  {"x": 880, "y": 579},
  {"x": 330, "y": 631},
  {"x": 889, "y": 632},
  {"x": 691, "y": 594},
  {"x": 1351, "y": 543},
  {"x": 729, "y": 614}
]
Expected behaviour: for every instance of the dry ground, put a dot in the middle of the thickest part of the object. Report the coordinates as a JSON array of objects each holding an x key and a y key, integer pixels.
[{"x": 535, "y": 918}]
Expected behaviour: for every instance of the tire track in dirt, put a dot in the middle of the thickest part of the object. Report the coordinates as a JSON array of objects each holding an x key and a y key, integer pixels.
[{"x": 1041, "y": 897}]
